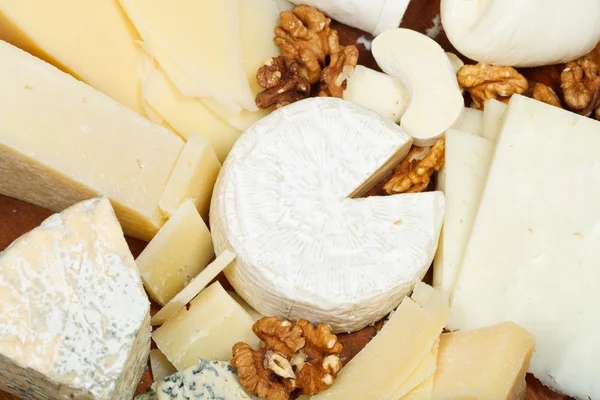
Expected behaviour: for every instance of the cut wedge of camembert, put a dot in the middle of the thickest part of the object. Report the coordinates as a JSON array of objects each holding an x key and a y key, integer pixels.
[
  {"x": 305, "y": 248},
  {"x": 74, "y": 318}
]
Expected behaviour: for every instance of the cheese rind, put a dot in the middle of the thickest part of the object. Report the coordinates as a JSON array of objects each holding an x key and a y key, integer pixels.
[
  {"x": 209, "y": 329},
  {"x": 179, "y": 251},
  {"x": 488, "y": 363},
  {"x": 527, "y": 226},
  {"x": 192, "y": 289},
  {"x": 72, "y": 35},
  {"x": 193, "y": 178},
  {"x": 74, "y": 316},
  {"x": 280, "y": 204},
  {"x": 402, "y": 344},
  {"x": 79, "y": 144}
]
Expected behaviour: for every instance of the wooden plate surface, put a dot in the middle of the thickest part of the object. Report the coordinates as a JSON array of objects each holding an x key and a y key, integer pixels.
[{"x": 17, "y": 217}]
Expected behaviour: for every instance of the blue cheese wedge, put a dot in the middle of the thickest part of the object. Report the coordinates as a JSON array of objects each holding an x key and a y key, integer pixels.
[
  {"x": 74, "y": 318},
  {"x": 208, "y": 380}
]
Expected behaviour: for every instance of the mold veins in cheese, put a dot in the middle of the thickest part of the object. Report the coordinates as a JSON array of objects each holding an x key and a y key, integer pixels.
[
  {"x": 304, "y": 248},
  {"x": 74, "y": 318}
]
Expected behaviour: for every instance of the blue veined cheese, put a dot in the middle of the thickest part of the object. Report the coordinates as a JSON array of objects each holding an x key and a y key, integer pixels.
[
  {"x": 74, "y": 317},
  {"x": 207, "y": 380}
]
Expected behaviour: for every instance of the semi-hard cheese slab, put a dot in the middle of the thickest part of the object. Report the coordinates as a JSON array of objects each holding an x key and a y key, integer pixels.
[
  {"x": 74, "y": 318},
  {"x": 533, "y": 253},
  {"x": 206, "y": 380},
  {"x": 62, "y": 141},
  {"x": 92, "y": 40}
]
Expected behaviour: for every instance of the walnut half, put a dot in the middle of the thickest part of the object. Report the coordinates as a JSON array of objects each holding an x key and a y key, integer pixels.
[
  {"x": 280, "y": 76},
  {"x": 297, "y": 356},
  {"x": 580, "y": 82},
  {"x": 486, "y": 82}
]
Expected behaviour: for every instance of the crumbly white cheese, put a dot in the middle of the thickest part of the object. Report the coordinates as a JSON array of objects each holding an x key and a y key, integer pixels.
[
  {"x": 209, "y": 380},
  {"x": 74, "y": 318},
  {"x": 304, "y": 249}
]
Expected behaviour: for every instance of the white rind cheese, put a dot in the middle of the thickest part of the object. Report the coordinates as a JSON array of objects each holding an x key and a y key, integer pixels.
[
  {"x": 208, "y": 380},
  {"x": 304, "y": 249},
  {"x": 74, "y": 318}
]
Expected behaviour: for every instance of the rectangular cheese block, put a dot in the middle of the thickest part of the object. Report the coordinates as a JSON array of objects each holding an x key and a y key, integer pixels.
[
  {"x": 187, "y": 115},
  {"x": 159, "y": 364},
  {"x": 424, "y": 371},
  {"x": 212, "y": 30},
  {"x": 62, "y": 142},
  {"x": 73, "y": 35},
  {"x": 74, "y": 318},
  {"x": 193, "y": 288},
  {"x": 471, "y": 121},
  {"x": 484, "y": 364},
  {"x": 467, "y": 162},
  {"x": 402, "y": 344},
  {"x": 379, "y": 92},
  {"x": 179, "y": 251},
  {"x": 251, "y": 311},
  {"x": 205, "y": 380},
  {"x": 533, "y": 253},
  {"x": 493, "y": 111},
  {"x": 210, "y": 327},
  {"x": 193, "y": 178}
]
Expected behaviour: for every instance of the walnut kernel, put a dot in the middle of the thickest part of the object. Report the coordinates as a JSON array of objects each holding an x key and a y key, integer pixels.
[
  {"x": 545, "y": 94},
  {"x": 280, "y": 76},
  {"x": 486, "y": 82}
]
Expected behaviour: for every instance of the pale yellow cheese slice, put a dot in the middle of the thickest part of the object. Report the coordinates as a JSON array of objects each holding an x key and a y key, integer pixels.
[
  {"x": 203, "y": 40},
  {"x": 93, "y": 40},
  {"x": 179, "y": 251},
  {"x": 422, "y": 392},
  {"x": 62, "y": 142},
  {"x": 193, "y": 178},
  {"x": 488, "y": 363},
  {"x": 193, "y": 288},
  {"x": 251, "y": 311},
  {"x": 159, "y": 364},
  {"x": 424, "y": 371},
  {"x": 210, "y": 327},
  {"x": 388, "y": 361}
]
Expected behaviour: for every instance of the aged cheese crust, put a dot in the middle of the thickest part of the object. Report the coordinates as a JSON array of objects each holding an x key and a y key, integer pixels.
[
  {"x": 304, "y": 249},
  {"x": 74, "y": 318}
]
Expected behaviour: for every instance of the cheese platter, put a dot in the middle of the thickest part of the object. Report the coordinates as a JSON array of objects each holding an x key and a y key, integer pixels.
[{"x": 317, "y": 207}]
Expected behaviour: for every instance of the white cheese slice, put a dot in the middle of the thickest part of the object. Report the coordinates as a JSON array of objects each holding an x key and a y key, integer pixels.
[
  {"x": 212, "y": 31},
  {"x": 304, "y": 249},
  {"x": 493, "y": 32},
  {"x": 193, "y": 178},
  {"x": 210, "y": 327},
  {"x": 533, "y": 253},
  {"x": 467, "y": 161},
  {"x": 74, "y": 318},
  {"x": 179, "y": 251},
  {"x": 471, "y": 122},
  {"x": 403, "y": 343},
  {"x": 62, "y": 142},
  {"x": 192, "y": 289},
  {"x": 206, "y": 379},
  {"x": 493, "y": 113}
]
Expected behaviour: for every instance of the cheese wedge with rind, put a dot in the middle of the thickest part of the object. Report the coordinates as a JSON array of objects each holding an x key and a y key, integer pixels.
[
  {"x": 179, "y": 251},
  {"x": 192, "y": 289},
  {"x": 527, "y": 226},
  {"x": 72, "y": 35},
  {"x": 281, "y": 205},
  {"x": 401, "y": 345},
  {"x": 74, "y": 318},
  {"x": 80, "y": 144}
]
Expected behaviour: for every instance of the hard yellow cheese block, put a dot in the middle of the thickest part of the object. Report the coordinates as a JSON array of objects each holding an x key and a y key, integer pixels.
[
  {"x": 92, "y": 40},
  {"x": 179, "y": 251},
  {"x": 424, "y": 371},
  {"x": 193, "y": 288},
  {"x": 160, "y": 365},
  {"x": 388, "y": 361},
  {"x": 483, "y": 364},
  {"x": 203, "y": 40},
  {"x": 62, "y": 142},
  {"x": 193, "y": 178},
  {"x": 210, "y": 327}
]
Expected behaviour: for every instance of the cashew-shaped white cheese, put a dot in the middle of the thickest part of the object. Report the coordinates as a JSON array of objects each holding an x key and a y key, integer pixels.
[
  {"x": 436, "y": 100},
  {"x": 373, "y": 16},
  {"x": 522, "y": 33},
  {"x": 304, "y": 248}
]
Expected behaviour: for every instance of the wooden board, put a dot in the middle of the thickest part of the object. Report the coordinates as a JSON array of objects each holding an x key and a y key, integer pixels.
[{"x": 17, "y": 217}]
